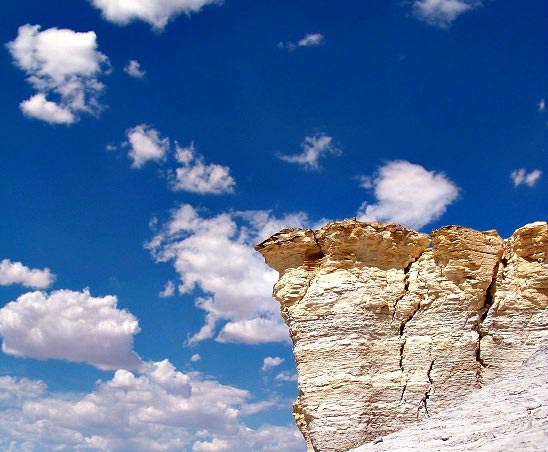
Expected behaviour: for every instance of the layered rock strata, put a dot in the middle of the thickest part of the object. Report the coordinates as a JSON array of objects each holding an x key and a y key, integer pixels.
[
  {"x": 508, "y": 415},
  {"x": 388, "y": 330}
]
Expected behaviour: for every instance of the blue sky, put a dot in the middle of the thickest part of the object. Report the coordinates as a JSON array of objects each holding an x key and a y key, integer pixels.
[{"x": 148, "y": 144}]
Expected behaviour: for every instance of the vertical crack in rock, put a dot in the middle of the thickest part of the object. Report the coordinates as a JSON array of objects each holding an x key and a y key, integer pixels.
[
  {"x": 426, "y": 395},
  {"x": 474, "y": 306},
  {"x": 406, "y": 271},
  {"x": 404, "y": 323},
  {"x": 482, "y": 315},
  {"x": 402, "y": 347}
]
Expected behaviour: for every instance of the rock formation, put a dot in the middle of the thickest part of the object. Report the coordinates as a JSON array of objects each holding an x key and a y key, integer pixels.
[
  {"x": 388, "y": 331},
  {"x": 506, "y": 416}
]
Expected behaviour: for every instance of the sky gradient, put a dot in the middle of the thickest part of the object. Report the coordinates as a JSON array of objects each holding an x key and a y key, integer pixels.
[{"x": 148, "y": 145}]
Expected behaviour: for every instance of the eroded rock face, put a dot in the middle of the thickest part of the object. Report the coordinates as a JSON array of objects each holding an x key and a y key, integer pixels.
[
  {"x": 387, "y": 331},
  {"x": 508, "y": 415}
]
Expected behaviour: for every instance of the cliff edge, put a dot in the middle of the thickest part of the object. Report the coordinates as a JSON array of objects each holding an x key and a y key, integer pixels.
[{"x": 390, "y": 325}]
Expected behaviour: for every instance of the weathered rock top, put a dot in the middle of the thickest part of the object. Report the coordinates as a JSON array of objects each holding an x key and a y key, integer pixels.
[
  {"x": 389, "y": 325},
  {"x": 347, "y": 242}
]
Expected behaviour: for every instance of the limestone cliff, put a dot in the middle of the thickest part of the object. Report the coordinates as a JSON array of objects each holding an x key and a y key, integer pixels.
[
  {"x": 388, "y": 330},
  {"x": 508, "y": 415}
]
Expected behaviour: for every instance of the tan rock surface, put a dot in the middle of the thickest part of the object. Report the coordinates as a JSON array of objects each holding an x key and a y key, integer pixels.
[
  {"x": 387, "y": 331},
  {"x": 508, "y": 415}
]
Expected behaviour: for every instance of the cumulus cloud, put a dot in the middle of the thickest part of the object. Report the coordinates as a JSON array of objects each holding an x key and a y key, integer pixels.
[
  {"x": 13, "y": 390},
  {"x": 72, "y": 326},
  {"x": 286, "y": 376},
  {"x": 309, "y": 40},
  {"x": 314, "y": 148},
  {"x": 39, "y": 107},
  {"x": 215, "y": 254},
  {"x": 521, "y": 176},
  {"x": 192, "y": 174},
  {"x": 155, "y": 12},
  {"x": 441, "y": 13},
  {"x": 159, "y": 408},
  {"x": 197, "y": 177},
  {"x": 270, "y": 362},
  {"x": 253, "y": 331},
  {"x": 216, "y": 445},
  {"x": 63, "y": 65},
  {"x": 195, "y": 358},
  {"x": 145, "y": 145},
  {"x": 17, "y": 273},
  {"x": 133, "y": 69},
  {"x": 541, "y": 105},
  {"x": 408, "y": 194}
]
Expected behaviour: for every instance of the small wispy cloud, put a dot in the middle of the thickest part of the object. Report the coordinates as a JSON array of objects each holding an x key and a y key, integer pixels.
[
  {"x": 145, "y": 145},
  {"x": 192, "y": 174},
  {"x": 195, "y": 176},
  {"x": 270, "y": 362},
  {"x": 133, "y": 69},
  {"x": 541, "y": 105},
  {"x": 286, "y": 376},
  {"x": 169, "y": 290},
  {"x": 442, "y": 13},
  {"x": 309, "y": 40},
  {"x": 522, "y": 177},
  {"x": 314, "y": 148}
]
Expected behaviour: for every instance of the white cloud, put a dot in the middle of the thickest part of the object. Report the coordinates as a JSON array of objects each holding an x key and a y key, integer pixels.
[
  {"x": 133, "y": 68},
  {"x": 39, "y": 107},
  {"x": 145, "y": 145},
  {"x": 216, "y": 255},
  {"x": 63, "y": 64},
  {"x": 158, "y": 409},
  {"x": 68, "y": 325},
  {"x": 314, "y": 148},
  {"x": 541, "y": 105},
  {"x": 286, "y": 376},
  {"x": 309, "y": 40},
  {"x": 521, "y": 176},
  {"x": 408, "y": 194},
  {"x": 169, "y": 290},
  {"x": 250, "y": 409},
  {"x": 155, "y": 12},
  {"x": 270, "y": 362},
  {"x": 193, "y": 174},
  {"x": 17, "y": 273},
  {"x": 196, "y": 177},
  {"x": 13, "y": 391},
  {"x": 195, "y": 358},
  {"x": 275, "y": 439},
  {"x": 253, "y": 331},
  {"x": 441, "y": 13},
  {"x": 216, "y": 445}
]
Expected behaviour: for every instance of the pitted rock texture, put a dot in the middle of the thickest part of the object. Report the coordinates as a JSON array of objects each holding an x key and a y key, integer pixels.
[{"x": 388, "y": 331}]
